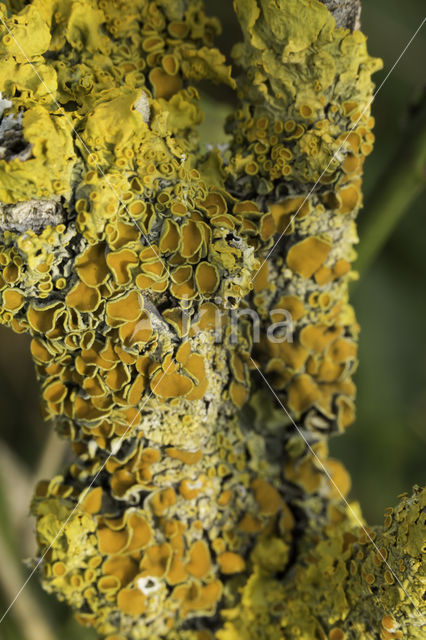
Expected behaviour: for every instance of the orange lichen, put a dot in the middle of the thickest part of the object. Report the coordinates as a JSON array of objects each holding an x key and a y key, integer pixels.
[
  {"x": 93, "y": 501},
  {"x": 308, "y": 256},
  {"x": 128, "y": 266},
  {"x": 91, "y": 266},
  {"x": 127, "y": 308},
  {"x": 267, "y": 496},
  {"x": 231, "y": 562},
  {"x": 195, "y": 598},
  {"x": 111, "y": 542},
  {"x": 199, "y": 560},
  {"x": 156, "y": 560},
  {"x": 132, "y": 602},
  {"x": 162, "y": 500},
  {"x": 187, "y": 457}
]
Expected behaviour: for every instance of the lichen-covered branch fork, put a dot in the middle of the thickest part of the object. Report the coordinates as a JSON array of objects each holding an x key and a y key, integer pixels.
[{"x": 195, "y": 507}]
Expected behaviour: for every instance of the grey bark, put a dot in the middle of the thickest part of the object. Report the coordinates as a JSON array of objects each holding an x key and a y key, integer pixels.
[{"x": 347, "y": 13}]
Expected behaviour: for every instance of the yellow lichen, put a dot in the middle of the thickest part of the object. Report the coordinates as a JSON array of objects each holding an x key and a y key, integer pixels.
[{"x": 180, "y": 509}]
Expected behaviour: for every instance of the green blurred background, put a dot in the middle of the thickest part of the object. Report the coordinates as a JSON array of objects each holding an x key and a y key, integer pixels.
[{"x": 385, "y": 449}]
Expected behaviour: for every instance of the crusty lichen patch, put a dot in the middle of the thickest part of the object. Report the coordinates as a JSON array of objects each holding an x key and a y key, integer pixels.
[
  {"x": 126, "y": 256},
  {"x": 299, "y": 143},
  {"x": 344, "y": 587},
  {"x": 32, "y": 215}
]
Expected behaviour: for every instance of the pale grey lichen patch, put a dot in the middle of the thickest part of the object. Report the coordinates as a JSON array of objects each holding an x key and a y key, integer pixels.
[
  {"x": 13, "y": 145},
  {"x": 347, "y": 13},
  {"x": 156, "y": 319},
  {"x": 142, "y": 107},
  {"x": 33, "y": 215},
  {"x": 4, "y": 104}
]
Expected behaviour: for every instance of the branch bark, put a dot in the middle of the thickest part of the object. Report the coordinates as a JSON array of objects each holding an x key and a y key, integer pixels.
[{"x": 198, "y": 504}]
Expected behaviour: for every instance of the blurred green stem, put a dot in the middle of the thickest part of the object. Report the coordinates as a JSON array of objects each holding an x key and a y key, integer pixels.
[
  {"x": 26, "y": 611},
  {"x": 399, "y": 185},
  {"x": 20, "y": 483},
  {"x": 52, "y": 456},
  {"x": 16, "y": 483}
]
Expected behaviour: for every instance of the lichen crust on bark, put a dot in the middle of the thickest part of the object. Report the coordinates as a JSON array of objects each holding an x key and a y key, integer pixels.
[{"x": 193, "y": 508}]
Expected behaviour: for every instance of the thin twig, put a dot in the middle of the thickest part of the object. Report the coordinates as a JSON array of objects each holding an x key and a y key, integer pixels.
[
  {"x": 27, "y": 612},
  {"x": 17, "y": 480},
  {"x": 20, "y": 485},
  {"x": 51, "y": 458}
]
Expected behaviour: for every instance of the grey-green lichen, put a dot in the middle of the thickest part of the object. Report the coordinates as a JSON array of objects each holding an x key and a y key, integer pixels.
[
  {"x": 125, "y": 252},
  {"x": 344, "y": 586}
]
